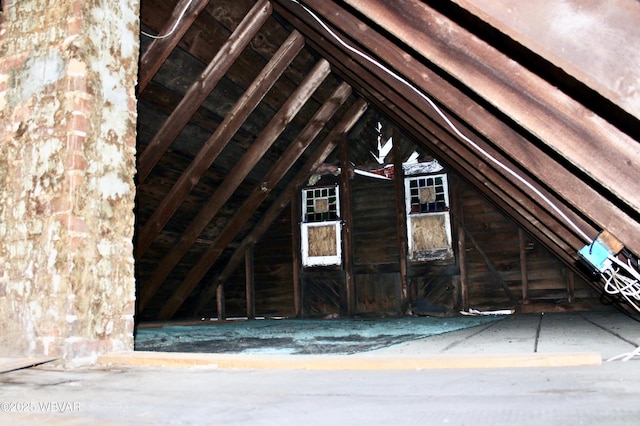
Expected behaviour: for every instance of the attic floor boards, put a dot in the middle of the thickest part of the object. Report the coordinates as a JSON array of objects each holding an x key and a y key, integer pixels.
[
  {"x": 607, "y": 332},
  {"x": 120, "y": 394}
]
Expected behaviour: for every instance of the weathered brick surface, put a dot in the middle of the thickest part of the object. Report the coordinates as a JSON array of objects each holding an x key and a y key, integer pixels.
[{"x": 67, "y": 140}]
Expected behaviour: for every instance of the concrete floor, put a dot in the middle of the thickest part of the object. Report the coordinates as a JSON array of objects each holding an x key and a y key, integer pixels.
[{"x": 584, "y": 395}]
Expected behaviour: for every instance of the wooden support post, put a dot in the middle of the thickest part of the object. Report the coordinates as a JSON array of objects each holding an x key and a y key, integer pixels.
[
  {"x": 523, "y": 267},
  {"x": 250, "y": 282},
  {"x": 347, "y": 243},
  {"x": 220, "y": 302},
  {"x": 401, "y": 218},
  {"x": 226, "y": 189},
  {"x": 319, "y": 155},
  {"x": 571, "y": 297},
  {"x": 462, "y": 248},
  {"x": 296, "y": 258}
]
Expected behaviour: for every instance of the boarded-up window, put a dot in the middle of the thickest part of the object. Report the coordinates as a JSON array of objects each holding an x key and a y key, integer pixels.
[
  {"x": 320, "y": 228},
  {"x": 322, "y": 240},
  {"x": 429, "y": 232},
  {"x": 428, "y": 222}
]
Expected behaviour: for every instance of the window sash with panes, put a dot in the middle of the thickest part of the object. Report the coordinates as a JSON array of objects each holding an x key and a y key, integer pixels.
[
  {"x": 428, "y": 221},
  {"x": 320, "y": 227},
  {"x": 320, "y": 204},
  {"x": 428, "y": 194}
]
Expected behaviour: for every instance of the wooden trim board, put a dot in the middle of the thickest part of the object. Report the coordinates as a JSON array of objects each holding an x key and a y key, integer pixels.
[
  {"x": 12, "y": 364},
  {"x": 349, "y": 362}
]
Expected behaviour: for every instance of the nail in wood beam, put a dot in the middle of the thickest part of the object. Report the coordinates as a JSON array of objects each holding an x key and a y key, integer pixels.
[
  {"x": 218, "y": 140},
  {"x": 160, "y": 48},
  {"x": 233, "y": 180},
  {"x": 317, "y": 158},
  {"x": 201, "y": 88}
]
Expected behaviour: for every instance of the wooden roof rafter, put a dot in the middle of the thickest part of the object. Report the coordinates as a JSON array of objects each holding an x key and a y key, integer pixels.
[
  {"x": 259, "y": 194},
  {"x": 589, "y": 202},
  {"x": 184, "y": 14},
  {"x": 268, "y": 136},
  {"x": 219, "y": 139},
  {"x": 328, "y": 145},
  {"x": 441, "y": 142},
  {"x": 201, "y": 88}
]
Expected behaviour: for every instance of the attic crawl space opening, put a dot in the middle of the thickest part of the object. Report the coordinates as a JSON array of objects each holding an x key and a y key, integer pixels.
[{"x": 312, "y": 160}]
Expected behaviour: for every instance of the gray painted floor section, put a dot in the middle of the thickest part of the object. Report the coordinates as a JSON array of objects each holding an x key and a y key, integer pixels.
[{"x": 599, "y": 395}]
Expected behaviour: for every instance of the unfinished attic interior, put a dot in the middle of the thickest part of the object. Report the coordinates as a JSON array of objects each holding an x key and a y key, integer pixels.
[{"x": 380, "y": 158}]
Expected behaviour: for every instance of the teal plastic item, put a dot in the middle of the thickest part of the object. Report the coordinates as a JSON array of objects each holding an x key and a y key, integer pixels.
[{"x": 597, "y": 254}]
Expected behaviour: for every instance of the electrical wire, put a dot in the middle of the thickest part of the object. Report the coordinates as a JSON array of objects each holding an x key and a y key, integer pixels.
[
  {"x": 446, "y": 119},
  {"x": 173, "y": 29},
  {"x": 623, "y": 279}
]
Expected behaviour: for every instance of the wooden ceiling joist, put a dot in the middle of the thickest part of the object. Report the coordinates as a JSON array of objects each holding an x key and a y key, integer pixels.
[
  {"x": 328, "y": 144},
  {"x": 219, "y": 140},
  {"x": 185, "y": 12},
  {"x": 201, "y": 88},
  {"x": 259, "y": 194},
  {"x": 255, "y": 152}
]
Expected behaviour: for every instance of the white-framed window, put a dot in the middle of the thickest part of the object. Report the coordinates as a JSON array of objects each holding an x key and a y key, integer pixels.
[
  {"x": 428, "y": 219},
  {"x": 320, "y": 228}
]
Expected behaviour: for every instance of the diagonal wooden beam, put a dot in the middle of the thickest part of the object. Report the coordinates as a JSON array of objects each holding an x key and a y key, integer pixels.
[
  {"x": 423, "y": 127},
  {"x": 574, "y": 193},
  {"x": 329, "y": 143},
  {"x": 531, "y": 160},
  {"x": 235, "y": 177},
  {"x": 185, "y": 12},
  {"x": 202, "y": 87},
  {"x": 595, "y": 147},
  {"x": 528, "y": 24},
  {"x": 501, "y": 192},
  {"x": 259, "y": 194},
  {"x": 219, "y": 140}
]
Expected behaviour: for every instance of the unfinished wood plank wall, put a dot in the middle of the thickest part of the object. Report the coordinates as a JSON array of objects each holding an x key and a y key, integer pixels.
[
  {"x": 493, "y": 253},
  {"x": 273, "y": 276},
  {"x": 375, "y": 246},
  {"x": 492, "y": 248}
]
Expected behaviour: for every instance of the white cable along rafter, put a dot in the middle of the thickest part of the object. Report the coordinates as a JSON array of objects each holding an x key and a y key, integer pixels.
[
  {"x": 446, "y": 119},
  {"x": 621, "y": 280},
  {"x": 173, "y": 29}
]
